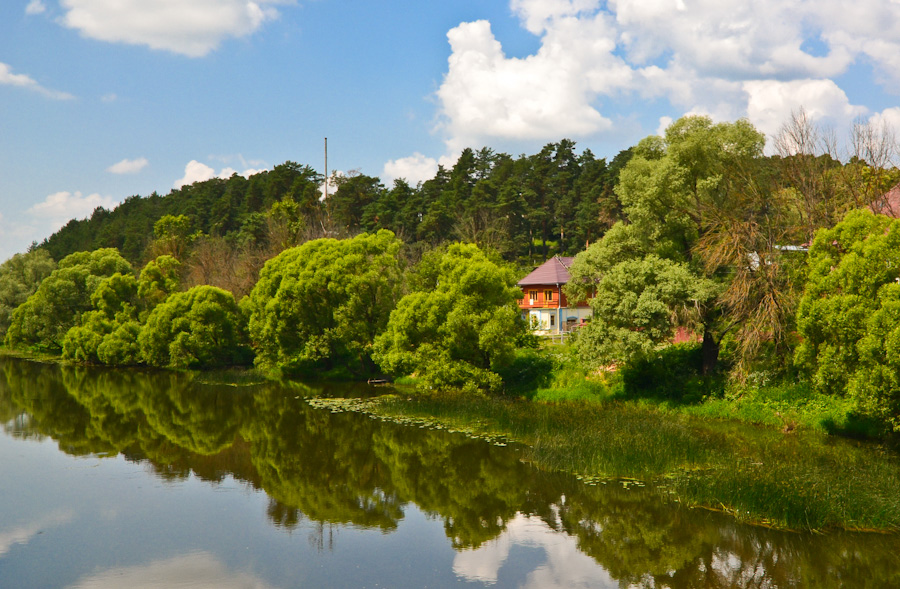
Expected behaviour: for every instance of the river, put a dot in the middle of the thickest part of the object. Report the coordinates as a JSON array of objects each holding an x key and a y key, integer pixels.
[{"x": 138, "y": 479}]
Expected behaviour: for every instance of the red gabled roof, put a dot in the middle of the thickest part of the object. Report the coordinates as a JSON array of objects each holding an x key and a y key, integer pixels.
[
  {"x": 888, "y": 204},
  {"x": 553, "y": 271}
]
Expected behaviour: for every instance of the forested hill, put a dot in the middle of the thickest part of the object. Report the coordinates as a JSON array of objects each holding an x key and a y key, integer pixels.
[
  {"x": 527, "y": 207},
  {"x": 216, "y": 207}
]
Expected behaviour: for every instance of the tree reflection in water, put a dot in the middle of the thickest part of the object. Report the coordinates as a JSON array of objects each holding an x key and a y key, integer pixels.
[{"x": 334, "y": 469}]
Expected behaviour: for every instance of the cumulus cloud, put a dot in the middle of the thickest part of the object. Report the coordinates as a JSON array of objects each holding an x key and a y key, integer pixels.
[
  {"x": 128, "y": 166},
  {"x": 196, "y": 171},
  {"x": 487, "y": 95},
  {"x": 888, "y": 118},
  {"x": 771, "y": 103},
  {"x": 414, "y": 169},
  {"x": 60, "y": 207},
  {"x": 188, "y": 28},
  {"x": 725, "y": 58},
  {"x": 8, "y": 78}
]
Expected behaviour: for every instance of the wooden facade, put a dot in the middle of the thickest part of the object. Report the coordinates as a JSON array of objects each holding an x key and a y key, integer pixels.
[{"x": 544, "y": 305}]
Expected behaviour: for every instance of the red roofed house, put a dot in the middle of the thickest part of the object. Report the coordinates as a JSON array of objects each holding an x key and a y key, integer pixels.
[
  {"x": 544, "y": 304},
  {"x": 888, "y": 204}
]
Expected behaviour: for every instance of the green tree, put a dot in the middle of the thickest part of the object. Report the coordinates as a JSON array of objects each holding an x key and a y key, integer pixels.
[
  {"x": 159, "y": 279},
  {"x": 108, "y": 334},
  {"x": 671, "y": 190},
  {"x": 114, "y": 303},
  {"x": 634, "y": 306},
  {"x": 461, "y": 325},
  {"x": 43, "y": 320},
  {"x": 20, "y": 276},
  {"x": 319, "y": 306},
  {"x": 200, "y": 328},
  {"x": 174, "y": 235},
  {"x": 849, "y": 313}
]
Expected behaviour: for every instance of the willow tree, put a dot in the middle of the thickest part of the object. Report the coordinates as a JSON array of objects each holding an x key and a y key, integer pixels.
[
  {"x": 459, "y": 326},
  {"x": 20, "y": 276},
  {"x": 319, "y": 306},
  {"x": 850, "y": 312},
  {"x": 679, "y": 193},
  {"x": 44, "y": 318}
]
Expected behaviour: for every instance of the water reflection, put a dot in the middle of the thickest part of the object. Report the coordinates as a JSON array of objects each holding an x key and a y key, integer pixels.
[
  {"x": 326, "y": 470},
  {"x": 200, "y": 570},
  {"x": 24, "y": 533}
]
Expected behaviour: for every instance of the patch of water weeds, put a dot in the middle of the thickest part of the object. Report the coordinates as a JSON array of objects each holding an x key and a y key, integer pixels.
[{"x": 799, "y": 481}]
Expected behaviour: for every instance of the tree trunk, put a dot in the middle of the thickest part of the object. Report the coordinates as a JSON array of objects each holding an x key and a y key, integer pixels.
[{"x": 709, "y": 353}]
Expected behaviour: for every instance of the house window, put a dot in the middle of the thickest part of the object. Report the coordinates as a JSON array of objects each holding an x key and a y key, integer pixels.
[
  {"x": 552, "y": 320},
  {"x": 532, "y": 294},
  {"x": 548, "y": 295}
]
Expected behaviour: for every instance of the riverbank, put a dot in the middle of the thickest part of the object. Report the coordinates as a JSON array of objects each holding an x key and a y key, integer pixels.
[
  {"x": 770, "y": 453},
  {"x": 798, "y": 481}
]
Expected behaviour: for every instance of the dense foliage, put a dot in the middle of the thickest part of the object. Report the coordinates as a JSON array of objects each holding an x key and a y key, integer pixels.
[
  {"x": 530, "y": 206},
  {"x": 459, "y": 327},
  {"x": 202, "y": 327},
  {"x": 44, "y": 318},
  {"x": 20, "y": 276},
  {"x": 320, "y": 305},
  {"x": 652, "y": 271},
  {"x": 849, "y": 316}
]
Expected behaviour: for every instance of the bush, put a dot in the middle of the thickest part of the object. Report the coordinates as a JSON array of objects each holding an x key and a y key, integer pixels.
[{"x": 674, "y": 373}]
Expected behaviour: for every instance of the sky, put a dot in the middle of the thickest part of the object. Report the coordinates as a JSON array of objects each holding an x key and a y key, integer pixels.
[{"x": 104, "y": 99}]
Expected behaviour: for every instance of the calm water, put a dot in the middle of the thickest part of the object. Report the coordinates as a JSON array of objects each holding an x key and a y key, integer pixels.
[{"x": 151, "y": 479}]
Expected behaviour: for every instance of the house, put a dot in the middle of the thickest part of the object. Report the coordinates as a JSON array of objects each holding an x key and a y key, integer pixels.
[
  {"x": 544, "y": 305},
  {"x": 888, "y": 204}
]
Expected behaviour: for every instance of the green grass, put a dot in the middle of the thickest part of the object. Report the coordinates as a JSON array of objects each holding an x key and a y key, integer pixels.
[{"x": 802, "y": 480}]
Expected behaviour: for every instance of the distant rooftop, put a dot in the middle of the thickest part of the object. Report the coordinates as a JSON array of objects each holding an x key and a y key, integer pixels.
[
  {"x": 888, "y": 204},
  {"x": 553, "y": 271}
]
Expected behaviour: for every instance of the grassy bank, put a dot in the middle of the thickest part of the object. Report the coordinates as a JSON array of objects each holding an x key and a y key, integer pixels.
[
  {"x": 803, "y": 480},
  {"x": 765, "y": 452}
]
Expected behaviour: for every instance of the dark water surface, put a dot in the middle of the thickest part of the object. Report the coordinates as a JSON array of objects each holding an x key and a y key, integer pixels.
[{"x": 152, "y": 479}]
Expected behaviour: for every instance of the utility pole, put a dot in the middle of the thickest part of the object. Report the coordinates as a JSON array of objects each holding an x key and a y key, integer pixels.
[{"x": 326, "y": 169}]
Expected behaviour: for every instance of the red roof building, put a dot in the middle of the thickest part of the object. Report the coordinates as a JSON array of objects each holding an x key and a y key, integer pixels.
[
  {"x": 544, "y": 304},
  {"x": 888, "y": 204}
]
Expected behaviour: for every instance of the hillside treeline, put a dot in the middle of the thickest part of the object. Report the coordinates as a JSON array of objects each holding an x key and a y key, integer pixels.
[
  {"x": 699, "y": 229},
  {"x": 556, "y": 200}
]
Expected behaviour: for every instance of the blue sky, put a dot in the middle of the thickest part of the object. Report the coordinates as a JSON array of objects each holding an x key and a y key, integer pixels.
[{"x": 103, "y": 99}]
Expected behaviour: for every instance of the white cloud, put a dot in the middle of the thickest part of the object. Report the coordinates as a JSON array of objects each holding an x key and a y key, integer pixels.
[
  {"x": 771, "y": 103},
  {"x": 111, "y": 97},
  {"x": 664, "y": 123},
  {"x": 200, "y": 569},
  {"x": 414, "y": 169},
  {"x": 35, "y": 7},
  {"x": 24, "y": 81},
  {"x": 487, "y": 95},
  {"x": 725, "y": 58},
  {"x": 889, "y": 118},
  {"x": 60, "y": 207},
  {"x": 537, "y": 15},
  {"x": 128, "y": 166},
  {"x": 188, "y": 28},
  {"x": 196, "y": 171}
]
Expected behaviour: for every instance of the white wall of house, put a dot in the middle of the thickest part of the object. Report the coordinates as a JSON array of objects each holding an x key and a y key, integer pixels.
[{"x": 546, "y": 321}]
